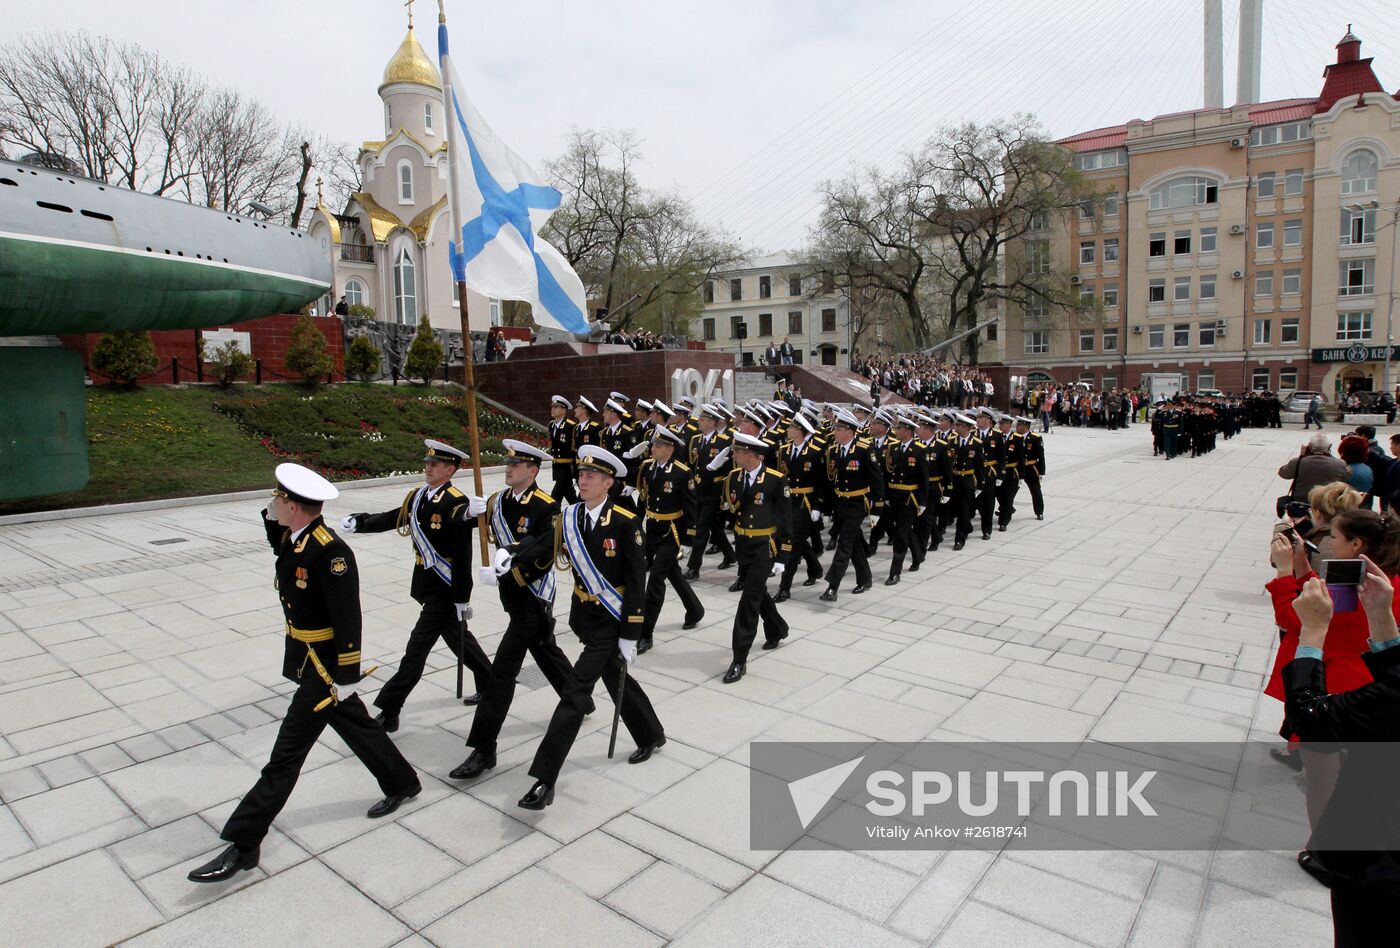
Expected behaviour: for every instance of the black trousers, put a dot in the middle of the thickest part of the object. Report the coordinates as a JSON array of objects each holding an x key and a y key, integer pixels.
[
  {"x": 664, "y": 566},
  {"x": 928, "y": 527},
  {"x": 1037, "y": 499},
  {"x": 709, "y": 520},
  {"x": 438, "y": 619},
  {"x": 303, "y": 724},
  {"x": 986, "y": 503},
  {"x": 564, "y": 489},
  {"x": 806, "y": 541},
  {"x": 960, "y": 510},
  {"x": 903, "y": 514},
  {"x": 884, "y": 525},
  {"x": 531, "y": 630},
  {"x": 1006, "y": 498},
  {"x": 755, "y": 565},
  {"x": 598, "y": 631},
  {"x": 1362, "y": 916},
  {"x": 850, "y": 545}
]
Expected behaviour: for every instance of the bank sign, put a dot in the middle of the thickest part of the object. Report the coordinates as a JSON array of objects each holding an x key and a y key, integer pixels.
[{"x": 1355, "y": 354}]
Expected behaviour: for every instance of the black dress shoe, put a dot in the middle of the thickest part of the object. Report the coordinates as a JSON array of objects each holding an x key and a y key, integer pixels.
[
  {"x": 736, "y": 671},
  {"x": 830, "y": 545},
  {"x": 1001, "y": 528},
  {"x": 225, "y": 865},
  {"x": 1040, "y": 516},
  {"x": 692, "y": 574},
  {"x": 828, "y": 596},
  {"x": 862, "y": 588},
  {"x": 392, "y": 802},
  {"x": 811, "y": 580},
  {"x": 727, "y": 563},
  {"x": 737, "y": 585},
  {"x": 540, "y": 796},
  {"x": 892, "y": 581},
  {"x": 643, "y": 754},
  {"x": 770, "y": 644},
  {"x": 692, "y": 623},
  {"x": 986, "y": 535},
  {"x": 782, "y": 596},
  {"x": 644, "y": 645},
  {"x": 959, "y": 545},
  {"x": 1310, "y": 864},
  {"x": 1288, "y": 757},
  {"x": 472, "y": 700},
  {"x": 390, "y": 721},
  {"x": 711, "y": 550},
  {"x": 475, "y": 765}
]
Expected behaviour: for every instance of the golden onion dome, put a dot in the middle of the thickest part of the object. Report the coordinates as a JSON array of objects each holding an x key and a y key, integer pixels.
[{"x": 411, "y": 64}]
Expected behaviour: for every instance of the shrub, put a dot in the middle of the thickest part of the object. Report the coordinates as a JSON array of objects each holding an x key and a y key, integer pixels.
[
  {"x": 363, "y": 359},
  {"x": 362, "y": 311},
  {"x": 306, "y": 352},
  {"x": 230, "y": 363},
  {"x": 126, "y": 356},
  {"x": 424, "y": 353}
]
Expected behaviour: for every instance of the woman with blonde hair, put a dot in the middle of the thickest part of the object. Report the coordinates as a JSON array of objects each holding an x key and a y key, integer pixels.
[{"x": 1327, "y": 501}]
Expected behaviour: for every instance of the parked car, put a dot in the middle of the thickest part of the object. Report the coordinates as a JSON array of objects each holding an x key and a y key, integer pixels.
[
  {"x": 1210, "y": 393},
  {"x": 1300, "y": 400}
]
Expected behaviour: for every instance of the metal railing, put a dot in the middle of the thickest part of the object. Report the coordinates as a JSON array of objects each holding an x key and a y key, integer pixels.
[{"x": 360, "y": 253}]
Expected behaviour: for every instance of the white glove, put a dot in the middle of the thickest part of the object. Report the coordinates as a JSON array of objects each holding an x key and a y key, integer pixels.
[
  {"x": 501, "y": 564},
  {"x": 999, "y": 480},
  {"x": 464, "y": 611},
  {"x": 777, "y": 569},
  {"x": 627, "y": 648},
  {"x": 719, "y": 460},
  {"x": 476, "y": 506},
  {"x": 345, "y": 692},
  {"x": 816, "y": 516},
  {"x": 945, "y": 498},
  {"x": 871, "y": 520},
  {"x": 348, "y": 525},
  {"x": 637, "y": 450},
  {"x": 487, "y": 575},
  {"x": 629, "y": 492}
]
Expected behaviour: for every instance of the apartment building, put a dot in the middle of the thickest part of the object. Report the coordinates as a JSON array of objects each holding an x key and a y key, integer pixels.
[
  {"x": 1237, "y": 247},
  {"x": 771, "y": 300}
]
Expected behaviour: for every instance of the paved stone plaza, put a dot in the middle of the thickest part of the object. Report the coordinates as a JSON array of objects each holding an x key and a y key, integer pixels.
[{"x": 140, "y": 693}]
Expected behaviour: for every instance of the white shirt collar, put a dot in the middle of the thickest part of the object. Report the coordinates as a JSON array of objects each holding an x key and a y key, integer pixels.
[
  {"x": 594, "y": 514},
  {"x": 297, "y": 534}
]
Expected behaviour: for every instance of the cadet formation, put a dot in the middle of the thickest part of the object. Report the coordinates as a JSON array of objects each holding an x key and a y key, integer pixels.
[{"x": 642, "y": 496}]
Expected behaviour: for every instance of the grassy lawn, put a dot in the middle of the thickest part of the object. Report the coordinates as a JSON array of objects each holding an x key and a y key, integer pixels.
[{"x": 178, "y": 442}]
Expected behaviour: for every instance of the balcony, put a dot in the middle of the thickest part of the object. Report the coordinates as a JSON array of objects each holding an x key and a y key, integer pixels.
[{"x": 357, "y": 253}]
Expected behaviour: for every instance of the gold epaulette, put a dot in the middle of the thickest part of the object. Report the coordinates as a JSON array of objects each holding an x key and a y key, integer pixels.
[
  {"x": 774, "y": 471},
  {"x": 323, "y": 536},
  {"x": 624, "y": 512},
  {"x": 685, "y": 468},
  {"x": 452, "y": 491},
  {"x": 543, "y": 496}
]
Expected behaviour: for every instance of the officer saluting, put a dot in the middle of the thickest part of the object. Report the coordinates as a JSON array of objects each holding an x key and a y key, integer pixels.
[
  {"x": 668, "y": 501},
  {"x": 759, "y": 497},
  {"x": 603, "y": 546},
  {"x": 319, "y": 588}
]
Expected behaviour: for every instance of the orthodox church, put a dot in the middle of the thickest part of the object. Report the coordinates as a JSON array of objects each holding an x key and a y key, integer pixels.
[{"x": 389, "y": 246}]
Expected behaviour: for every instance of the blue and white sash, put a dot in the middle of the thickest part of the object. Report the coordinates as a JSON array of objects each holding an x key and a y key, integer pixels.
[
  {"x": 543, "y": 588},
  {"x": 583, "y": 564},
  {"x": 429, "y": 556}
]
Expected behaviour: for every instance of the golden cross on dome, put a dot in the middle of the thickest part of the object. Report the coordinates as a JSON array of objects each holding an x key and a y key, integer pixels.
[
  {"x": 409, "y": 4},
  {"x": 319, "y": 198}
]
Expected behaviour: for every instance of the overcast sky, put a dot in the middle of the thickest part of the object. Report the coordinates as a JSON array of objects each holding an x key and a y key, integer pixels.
[{"x": 743, "y": 105}]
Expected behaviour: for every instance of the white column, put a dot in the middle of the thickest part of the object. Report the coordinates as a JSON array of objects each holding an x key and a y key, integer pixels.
[
  {"x": 1214, "y": 78},
  {"x": 1251, "y": 47}
]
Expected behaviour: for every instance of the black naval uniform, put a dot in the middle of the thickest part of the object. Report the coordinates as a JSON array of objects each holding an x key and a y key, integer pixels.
[
  {"x": 884, "y": 522},
  {"x": 618, "y": 552},
  {"x": 531, "y": 519},
  {"x": 1010, "y": 478},
  {"x": 929, "y": 528},
  {"x": 709, "y": 515},
  {"x": 906, "y": 494},
  {"x": 993, "y": 458},
  {"x": 805, "y": 470},
  {"x": 669, "y": 500},
  {"x": 762, "y": 528},
  {"x": 1033, "y": 468},
  {"x": 856, "y": 484},
  {"x": 563, "y": 449},
  {"x": 966, "y": 470},
  {"x": 319, "y": 587},
  {"x": 619, "y": 441},
  {"x": 451, "y": 539}
]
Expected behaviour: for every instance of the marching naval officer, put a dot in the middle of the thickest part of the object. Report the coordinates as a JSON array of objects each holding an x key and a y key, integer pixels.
[
  {"x": 442, "y": 576},
  {"x": 606, "y": 553},
  {"x": 668, "y": 501},
  {"x": 319, "y": 588},
  {"x": 563, "y": 447},
  {"x": 521, "y": 519},
  {"x": 762, "y": 507},
  {"x": 856, "y": 483}
]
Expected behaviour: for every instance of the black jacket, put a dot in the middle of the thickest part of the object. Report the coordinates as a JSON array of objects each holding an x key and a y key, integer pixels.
[
  {"x": 531, "y": 521},
  {"x": 449, "y": 537},
  {"x": 319, "y": 587},
  {"x": 618, "y": 551}
]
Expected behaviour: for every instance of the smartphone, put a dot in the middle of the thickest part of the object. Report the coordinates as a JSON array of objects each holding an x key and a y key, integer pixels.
[{"x": 1342, "y": 577}]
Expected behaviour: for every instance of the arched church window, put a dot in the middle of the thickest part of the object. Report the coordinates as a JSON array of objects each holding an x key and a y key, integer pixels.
[
  {"x": 428, "y": 117},
  {"x": 355, "y": 293},
  {"x": 405, "y": 183},
  {"x": 405, "y": 294},
  {"x": 1359, "y": 172}
]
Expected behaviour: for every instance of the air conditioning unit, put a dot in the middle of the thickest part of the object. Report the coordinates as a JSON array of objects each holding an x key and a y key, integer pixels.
[
  {"x": 1220, "y": 327},
  {"x": 1137, "y": 330},
  {"x": 1074, "y": 279},
  {"x": 1237, "y": 229},
  {"x": 1237, "y": 274},
  {"x": 1238, "y": 142}
]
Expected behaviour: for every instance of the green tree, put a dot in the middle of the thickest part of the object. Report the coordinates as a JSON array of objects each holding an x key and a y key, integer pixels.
[
  {"x": 362, "y": 311},
  {"x": 306, "y": 352},
  {"x": 126, "y": 356},
  {"x": 230, "y": 363},
  {"x": 363, "y": 359},
  {"x": 424, "y": 354}
]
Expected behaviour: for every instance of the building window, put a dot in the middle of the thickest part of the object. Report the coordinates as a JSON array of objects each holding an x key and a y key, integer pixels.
[
  {"x": 1273, "y": 134},
  {"x": 1086, "y": 297},
  {"x": 456, "y": 293},
  {"x": 1353, "y": 326},
  {"x": 1155, "y": 336},
  {"x": 1088, "y": 378},
  {"x": 1181, "y": 335},
  {"x": 709, "y": 329},
  {"x": 1037, "y": 305},
  {"x": 428, "y": 117},
  {"x": 1110, "y": 251},
  {"x": 795, "y": 285},
  {"x": 765, "y": 287},
  {"x": 1038, "y": 256},
  {"x": 1264, "y": 185},
  {"x": 1208, "y": 286},
  {"x": 829, "y": 279},
  {"x": 736, "y": 290},
  {"x": 795, "y": 323},
  {"x": 1110, "y": 340},
  {"x": 1292, "y": 281},
  {"x": 1037, "y": 221},
  {"x": 1207, "y": 333},
  {"x": 1093, "y": 161},
  {"x": 707, "y": 291},
  {"x": 1264, "y": 283},
  {"x": 1293, "y": 233},
  {"x": 1287, "y": 378},
  {"x": 1110, "y": 294},
  {"x": 1264, "y": 236},
  {"x": 1086, "y": 340},
  {"x": 1181, "y": 242},
  {"x": 1110, "y": 381},
  {"x": 765, "y": 324},
  {"x": 1086, "y": 253},
  {"x": 828, "y": 320},
  {"x": 1110, "y": 204},
  {"x": 1181, "y": 289},
  {"x": 992, "y": 333},
  {"x": 1086, "y": 210},
  {"x": 1359, "y": 172},
  {"x": 405, "y": 294},
  {"x": 1207, "y": 240},
  {"x": 1293, "y": 182},
  {"x": 1205, "y": 380},
  {"x": 1358, "y": 277},
  {"x": 1157, "y": 290},
  {"x": 405, "y": 183},
  {"x": 1288, "y": 331},
  {"x": 736, "y": 326},
  {"x": 355, "y": 293},
  {"x": 494, "y": 312},
  {"x": 1037, "y": 343},
  {"x": 1184, "y": 192},
  {"x": 1259, "y": 380},
  {"x": 1263, "y": 332},
  {"x": 1358, "y": 226},
  {"x": 1157, "y": 245}
]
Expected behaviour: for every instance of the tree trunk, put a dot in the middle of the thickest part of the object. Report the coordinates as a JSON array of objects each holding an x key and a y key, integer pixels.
[{"x": 301, "y": 185}]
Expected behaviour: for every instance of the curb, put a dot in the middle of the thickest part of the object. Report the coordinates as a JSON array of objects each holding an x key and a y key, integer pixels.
[{"x": 165, "y": 503}]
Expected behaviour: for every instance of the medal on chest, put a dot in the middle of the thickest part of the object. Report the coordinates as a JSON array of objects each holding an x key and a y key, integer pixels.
[
  {"x": 609, "y": 547},
  {"x": 301, "y": 575},
  {"x": 435, "y": 522}
]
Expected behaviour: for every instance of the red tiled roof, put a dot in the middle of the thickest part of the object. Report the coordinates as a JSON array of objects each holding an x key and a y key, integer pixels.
[
  {"x": 1347, "y": 78},
  {"x": 1263, "y": 113},
  {"x": 1111, "y": 137},
  {"x": 1281, "y": 110}
]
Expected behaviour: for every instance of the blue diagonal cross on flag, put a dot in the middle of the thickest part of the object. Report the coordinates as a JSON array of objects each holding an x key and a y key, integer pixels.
[{"x": 503, "y": 204}]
